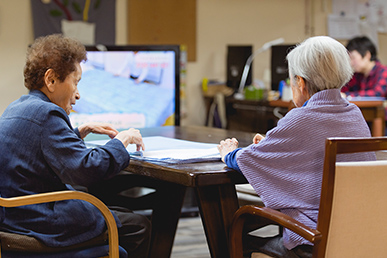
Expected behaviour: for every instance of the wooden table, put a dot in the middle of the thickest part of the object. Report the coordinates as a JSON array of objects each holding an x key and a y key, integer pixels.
[
  {"x": 373, "y": 112},
  {"x": 257, "y": 115},
  {"x": 213, "y": 183}
]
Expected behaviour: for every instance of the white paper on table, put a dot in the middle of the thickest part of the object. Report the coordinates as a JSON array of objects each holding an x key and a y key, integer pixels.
[{"x": 170, "y": 150}]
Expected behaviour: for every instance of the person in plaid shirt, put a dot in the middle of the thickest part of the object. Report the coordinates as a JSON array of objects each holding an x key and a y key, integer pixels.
[{"x": 370, "y": 77}]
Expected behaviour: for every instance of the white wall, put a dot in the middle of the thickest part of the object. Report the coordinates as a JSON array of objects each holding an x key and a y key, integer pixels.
[
  {"x": 250, "y": 22},
  {"x": 233, "y": 22},
  {"x": 219, "y": 23},
  {"x": 15, "y": 35}
]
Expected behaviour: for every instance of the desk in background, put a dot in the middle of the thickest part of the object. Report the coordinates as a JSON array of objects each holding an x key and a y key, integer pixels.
[
  {"x": 254, "y": 115},
  {"x": 257, "y": 115},
  {"x": 374, "y": 113}
]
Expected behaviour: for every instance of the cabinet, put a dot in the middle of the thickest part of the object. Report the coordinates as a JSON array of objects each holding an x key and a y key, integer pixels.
[{"x": 254, "y": 115}]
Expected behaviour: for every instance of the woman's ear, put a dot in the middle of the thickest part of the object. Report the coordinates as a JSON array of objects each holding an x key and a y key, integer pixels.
[
  {"x": 50, "y": 79},
  {"x": 302, "y": 86},
  {"x": 367, "y": 55},
  {"x": 301, "y": 83}
]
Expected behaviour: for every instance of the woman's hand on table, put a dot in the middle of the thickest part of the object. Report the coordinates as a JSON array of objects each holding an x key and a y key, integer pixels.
[
  {"x": 257, "y": 138},
  {"x": 227, "y": 146},
  {"x": 131, "y": 136},
  {"x": 98, "y": 128}
]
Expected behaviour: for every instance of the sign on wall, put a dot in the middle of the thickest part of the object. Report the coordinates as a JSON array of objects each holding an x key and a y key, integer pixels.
[{"x": 352, "y": 18}]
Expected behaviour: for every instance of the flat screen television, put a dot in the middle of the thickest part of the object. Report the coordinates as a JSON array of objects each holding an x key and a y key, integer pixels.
[{"x": 129, "y": 86}]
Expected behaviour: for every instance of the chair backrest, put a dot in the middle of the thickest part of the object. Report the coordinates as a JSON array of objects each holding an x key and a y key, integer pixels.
[
  {"x": 113, "y": 247},
  {"x": 353, "y": 205}
]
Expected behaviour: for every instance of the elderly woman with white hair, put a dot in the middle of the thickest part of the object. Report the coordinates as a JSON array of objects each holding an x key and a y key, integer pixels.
[{"x": 285, "y": 167}]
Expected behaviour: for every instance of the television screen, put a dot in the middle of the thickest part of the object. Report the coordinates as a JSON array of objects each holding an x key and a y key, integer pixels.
[{"x": 129, "y": 86}]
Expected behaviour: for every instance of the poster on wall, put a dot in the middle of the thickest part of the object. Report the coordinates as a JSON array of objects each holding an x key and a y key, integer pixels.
[
  {"x": 352, "y": 18},
  {"x": 90, "y": 21}
]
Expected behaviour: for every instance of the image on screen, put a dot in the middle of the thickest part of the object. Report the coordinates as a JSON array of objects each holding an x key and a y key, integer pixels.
[{"x": 129, "y": 86}]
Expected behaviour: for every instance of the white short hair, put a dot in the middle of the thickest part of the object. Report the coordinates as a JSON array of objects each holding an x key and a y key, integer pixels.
[{"x": 322, "y": 61}]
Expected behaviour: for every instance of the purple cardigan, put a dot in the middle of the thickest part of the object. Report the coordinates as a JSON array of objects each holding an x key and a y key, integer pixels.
[{"x": 286, "y": 167}]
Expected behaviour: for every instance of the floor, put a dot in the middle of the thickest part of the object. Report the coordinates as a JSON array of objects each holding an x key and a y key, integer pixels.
[{"x": 190, "y": 240}]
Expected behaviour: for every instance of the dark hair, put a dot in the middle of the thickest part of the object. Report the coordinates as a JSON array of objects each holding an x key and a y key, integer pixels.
[
  {"x": 362, "y": 45},
  {"x": 52, "y": 52}
]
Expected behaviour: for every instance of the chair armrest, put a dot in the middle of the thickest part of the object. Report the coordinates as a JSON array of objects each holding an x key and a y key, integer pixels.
[
  {"x": 70, "y": 195},
  {"x": 268, "y": 216}
]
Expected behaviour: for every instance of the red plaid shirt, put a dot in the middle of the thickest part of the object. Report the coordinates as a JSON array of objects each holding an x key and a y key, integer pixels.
[{"x": 375, "y": 85}]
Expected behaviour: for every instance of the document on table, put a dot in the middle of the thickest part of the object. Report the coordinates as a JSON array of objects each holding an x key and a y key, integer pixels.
[{"x": 170, "y": 150}]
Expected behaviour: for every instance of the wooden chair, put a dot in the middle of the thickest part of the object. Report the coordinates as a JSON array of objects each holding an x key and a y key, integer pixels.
[
  {"x": 353, "y": 206},
  {"x": 15, "y": 245}
]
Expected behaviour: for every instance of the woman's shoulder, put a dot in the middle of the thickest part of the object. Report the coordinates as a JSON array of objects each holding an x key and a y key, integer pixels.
[
  {"x": 299, "y": 113},
  {"x": 380, "y": 68},
  {"x": 32, "y": 108},
  {"x": 41, "y": 105},
  {"x": 318, "y": 112}
]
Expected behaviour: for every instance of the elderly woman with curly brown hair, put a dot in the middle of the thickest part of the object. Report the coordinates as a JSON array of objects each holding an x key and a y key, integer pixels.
[{"x": 42, "y": 152}]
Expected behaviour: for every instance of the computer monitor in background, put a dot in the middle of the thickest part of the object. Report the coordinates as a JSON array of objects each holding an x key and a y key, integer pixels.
[
  {"x": 236, "y": 61},
  {"x": 129, "y": 86},
  {"x": 279, "y": 65}
]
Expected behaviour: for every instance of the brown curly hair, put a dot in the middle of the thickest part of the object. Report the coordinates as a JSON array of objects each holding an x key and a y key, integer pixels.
[{"x": 52, "y": 52}]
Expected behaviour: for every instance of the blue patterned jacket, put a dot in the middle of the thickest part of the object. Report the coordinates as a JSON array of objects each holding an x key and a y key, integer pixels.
[{"x": 41, "y": 152}]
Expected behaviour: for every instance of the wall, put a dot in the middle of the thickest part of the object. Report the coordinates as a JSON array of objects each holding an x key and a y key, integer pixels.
[
  {"x": 219, "y": 23},
  {"x": 229, "y": 22},
  {"x": 15, "y": 34},
  {"x": 253, "y": 22}
]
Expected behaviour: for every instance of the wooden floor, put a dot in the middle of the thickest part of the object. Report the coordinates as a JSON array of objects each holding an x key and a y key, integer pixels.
[{"x": 190, "y": 240}]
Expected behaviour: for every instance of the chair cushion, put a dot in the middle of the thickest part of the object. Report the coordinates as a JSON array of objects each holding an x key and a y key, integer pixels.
[
  {"x": 359, "y": 210},
  {"x": 21, "y": 243},
  {"x": 95, "y": 251}
]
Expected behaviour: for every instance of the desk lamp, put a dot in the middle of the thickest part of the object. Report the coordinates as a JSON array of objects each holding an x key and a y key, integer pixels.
[{"x": 266, "y": 46}]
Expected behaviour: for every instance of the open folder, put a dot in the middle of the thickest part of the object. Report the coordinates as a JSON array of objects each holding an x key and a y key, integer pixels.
[{"x": 170, "y": 150}]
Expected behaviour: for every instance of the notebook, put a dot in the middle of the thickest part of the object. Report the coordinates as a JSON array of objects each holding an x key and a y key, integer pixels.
[{"x": 170, "y": 150}]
